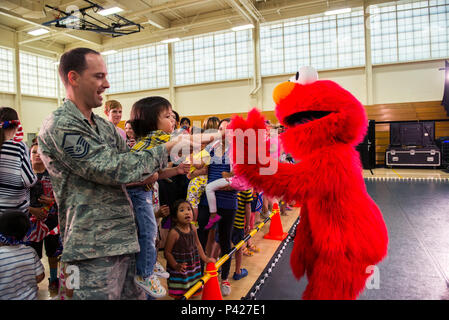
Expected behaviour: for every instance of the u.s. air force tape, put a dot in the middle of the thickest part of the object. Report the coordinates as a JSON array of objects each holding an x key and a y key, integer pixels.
[{"x": 75, "y": 145}]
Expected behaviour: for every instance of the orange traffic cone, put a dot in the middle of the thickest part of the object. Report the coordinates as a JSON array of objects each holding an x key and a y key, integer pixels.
[
  {"x": 276, "y": 232},
  {"x": 211, "y": 289}
]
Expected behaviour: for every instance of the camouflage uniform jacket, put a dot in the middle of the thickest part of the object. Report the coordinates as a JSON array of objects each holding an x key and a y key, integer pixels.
[{"x": 88, "y": 167}]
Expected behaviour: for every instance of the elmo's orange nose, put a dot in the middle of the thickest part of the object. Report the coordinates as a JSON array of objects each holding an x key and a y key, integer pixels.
[{"x": 282, "y": 90}]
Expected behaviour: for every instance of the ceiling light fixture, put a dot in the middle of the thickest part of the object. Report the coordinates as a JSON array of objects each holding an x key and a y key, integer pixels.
[
  {"x": 38, "y": 32},
  {"x": 105, "y": 53},
  {"x": 170, "y": 40},
  {"x": 243, "y": 27},
  {"x": 109, "y": 11},
  {"x": 338, "y": 11}
]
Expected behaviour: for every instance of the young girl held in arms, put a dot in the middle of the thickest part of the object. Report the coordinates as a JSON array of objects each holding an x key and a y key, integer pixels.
[{"x": 151, "y": 120}]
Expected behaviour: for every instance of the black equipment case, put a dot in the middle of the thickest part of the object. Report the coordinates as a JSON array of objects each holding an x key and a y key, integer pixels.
[{"x": 411, "y": 156}]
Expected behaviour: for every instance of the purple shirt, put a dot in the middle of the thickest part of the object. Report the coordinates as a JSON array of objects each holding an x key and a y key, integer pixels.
[{"x": 122, "y": 132}]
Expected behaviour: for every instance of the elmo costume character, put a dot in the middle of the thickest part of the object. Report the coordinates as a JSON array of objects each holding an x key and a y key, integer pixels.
[{"x": 341, "y": 233}]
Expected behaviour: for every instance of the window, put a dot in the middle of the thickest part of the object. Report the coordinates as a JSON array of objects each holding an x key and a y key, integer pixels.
[
  {"x": 439, "y": 28},
  {"x": 6, "y": 70},
  {"x": 138, "y": 68},
  {"x": 324, "y": 42},
  {"x": 37, "y": 75},
  {"x": 213, "y": 57},
  {"x": 409, "y": 31}
]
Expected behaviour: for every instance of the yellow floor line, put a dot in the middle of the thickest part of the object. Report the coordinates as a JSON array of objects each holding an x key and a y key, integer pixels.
[{"x": 396, "y": 173}]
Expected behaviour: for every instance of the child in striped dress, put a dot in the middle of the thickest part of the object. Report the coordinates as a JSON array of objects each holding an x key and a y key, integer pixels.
[{"x": 183, "y": 251}]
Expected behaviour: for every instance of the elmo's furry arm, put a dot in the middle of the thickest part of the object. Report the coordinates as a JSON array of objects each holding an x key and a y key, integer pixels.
[{"x": 251, "y": 160}]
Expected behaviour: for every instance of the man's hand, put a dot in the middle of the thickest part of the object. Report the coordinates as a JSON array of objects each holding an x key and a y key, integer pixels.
[
  {"x": 183, "y": 168},
  {"x": 151, "y": 179}
]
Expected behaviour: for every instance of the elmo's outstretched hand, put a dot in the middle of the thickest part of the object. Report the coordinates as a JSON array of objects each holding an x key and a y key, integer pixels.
[{"x": 247, "y": 135}]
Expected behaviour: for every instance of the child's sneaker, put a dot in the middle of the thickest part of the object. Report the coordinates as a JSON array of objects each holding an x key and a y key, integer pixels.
[
  {"x": 53, "y": 286},
  {"x": 212, "y": 221},
  {"x": 225, "y": 288},
  {"x": 160, "y": 271},
  {"x": 151, "y": 285}
]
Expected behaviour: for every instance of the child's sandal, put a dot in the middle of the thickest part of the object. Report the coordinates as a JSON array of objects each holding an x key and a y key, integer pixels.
[
  {"x": 247, "y": 252},
  {"x": 253, "y": 248}
]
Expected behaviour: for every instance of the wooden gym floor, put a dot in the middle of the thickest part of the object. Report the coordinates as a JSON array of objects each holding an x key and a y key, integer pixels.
[{"x": 256, "y": 263}]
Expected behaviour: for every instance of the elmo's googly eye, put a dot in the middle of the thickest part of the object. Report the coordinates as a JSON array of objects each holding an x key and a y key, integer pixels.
[{"x": 305, "y": 75}]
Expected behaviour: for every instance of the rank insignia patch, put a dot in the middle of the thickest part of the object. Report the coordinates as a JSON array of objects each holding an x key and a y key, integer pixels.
[{"x": 75, "y": 145}]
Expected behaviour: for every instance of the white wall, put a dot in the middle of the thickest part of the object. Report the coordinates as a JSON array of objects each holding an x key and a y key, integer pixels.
[
  {"x": 409, "y": 82},
  {"x": 352, "y": 80},
  {"x": 7, "y": 100},
  {"x": 216, "y": 98},
  {"x": 396, "y": 83},
  {"x": 34, "y": 111}
]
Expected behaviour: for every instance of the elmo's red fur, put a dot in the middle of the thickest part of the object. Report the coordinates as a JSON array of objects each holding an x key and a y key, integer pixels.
[{"x": 341, "y": 231}]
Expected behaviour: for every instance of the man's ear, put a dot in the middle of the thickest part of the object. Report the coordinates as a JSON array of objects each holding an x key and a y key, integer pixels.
[{"x": 73, "y": 78}]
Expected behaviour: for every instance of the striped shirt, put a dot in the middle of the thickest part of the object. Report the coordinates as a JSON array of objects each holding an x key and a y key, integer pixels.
[
  {"x": 243, "y": 197},
  {"x": 19, "y": 267},
  {"x": 225, "y": 199},
  {"x": 16, "y": 176}
]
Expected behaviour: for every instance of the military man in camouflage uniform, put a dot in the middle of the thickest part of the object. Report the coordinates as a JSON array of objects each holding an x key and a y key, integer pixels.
[{"x": 89, "y": 163}]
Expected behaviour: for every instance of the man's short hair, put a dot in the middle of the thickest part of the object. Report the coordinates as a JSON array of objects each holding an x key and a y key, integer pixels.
[
  {"x": 73, "y": 60},
  {"x": 112, "y": 104}
]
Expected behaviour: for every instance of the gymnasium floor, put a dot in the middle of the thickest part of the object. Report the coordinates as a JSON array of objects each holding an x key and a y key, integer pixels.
[{"x": 418, "y": 228}]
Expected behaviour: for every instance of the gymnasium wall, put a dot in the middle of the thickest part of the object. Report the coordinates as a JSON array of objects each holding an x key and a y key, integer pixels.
[{"x": 394, "y": 83}]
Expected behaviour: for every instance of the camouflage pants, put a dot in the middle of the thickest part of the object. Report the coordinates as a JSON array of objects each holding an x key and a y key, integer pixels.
[{"x": 107, "y": 278}]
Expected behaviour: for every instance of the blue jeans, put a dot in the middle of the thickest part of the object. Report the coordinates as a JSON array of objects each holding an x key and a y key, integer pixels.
[{"x": 146, "y": 230}]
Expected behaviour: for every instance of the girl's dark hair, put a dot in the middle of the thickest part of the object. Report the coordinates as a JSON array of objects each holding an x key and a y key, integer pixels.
[
  {"x": 14, "y": 224},
  {"x": 7, "y": 114},
  {"x": 176, "y": 116},
  {"x": 224, "y": 120},
  {"x": 145, "y": 114},
  {"x": 174, "y": 208},
  {"x": 183, "y": 119}
]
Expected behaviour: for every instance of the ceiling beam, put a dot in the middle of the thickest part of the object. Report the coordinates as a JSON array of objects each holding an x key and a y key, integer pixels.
[
  {"x": 157, "y": 20},
  {"x": 234, "y": 4},
  {"x": 252, "y": 10}
]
